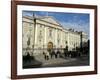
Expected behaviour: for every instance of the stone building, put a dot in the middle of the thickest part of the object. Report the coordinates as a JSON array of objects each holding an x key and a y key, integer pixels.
[{"x": 42, "y": 33}]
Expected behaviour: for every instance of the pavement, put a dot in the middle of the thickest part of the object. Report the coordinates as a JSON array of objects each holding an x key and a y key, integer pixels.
[
  {"x": 53, "y": 61},
  {"x": 56, "y": 62}
]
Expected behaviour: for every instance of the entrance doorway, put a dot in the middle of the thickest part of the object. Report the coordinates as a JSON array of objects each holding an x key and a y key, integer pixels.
[{"x": 50, "y": 46}]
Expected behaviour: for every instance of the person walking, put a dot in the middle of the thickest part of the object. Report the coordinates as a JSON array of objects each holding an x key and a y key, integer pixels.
[{"x": 46, "y": 55}]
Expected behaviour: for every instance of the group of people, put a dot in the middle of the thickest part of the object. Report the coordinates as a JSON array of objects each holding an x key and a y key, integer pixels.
[{"x": 51, "y": 54}]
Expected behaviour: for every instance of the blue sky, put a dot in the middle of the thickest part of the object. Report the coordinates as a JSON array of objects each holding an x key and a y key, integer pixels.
[{"x": 77, "y": 21}]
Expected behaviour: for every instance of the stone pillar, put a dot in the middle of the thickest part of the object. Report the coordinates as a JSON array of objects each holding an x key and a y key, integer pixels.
[
  {"x": 56, "y": 38},
  {"x": 45, "y": 36},
  {"x": 60, "y": 39},
  {"x": 35, "y": 36}
]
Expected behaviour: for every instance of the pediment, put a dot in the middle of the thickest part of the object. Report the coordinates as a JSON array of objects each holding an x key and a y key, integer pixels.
[{"x": 50, "y": 19}]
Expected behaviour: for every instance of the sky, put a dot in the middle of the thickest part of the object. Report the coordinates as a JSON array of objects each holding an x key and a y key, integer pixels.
[{"x": 76, "y": 21}]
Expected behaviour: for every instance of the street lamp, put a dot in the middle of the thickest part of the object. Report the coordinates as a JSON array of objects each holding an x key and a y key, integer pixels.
[{"x": 34, "y": 21}]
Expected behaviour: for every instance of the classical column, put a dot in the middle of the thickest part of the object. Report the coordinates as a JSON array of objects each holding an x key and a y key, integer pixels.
[
  {"x": 35, "y": 36},
  {"x": 45, "y": 36},
  {"x": 56, "y": 38},
  {"x": 61, "y": 38}
]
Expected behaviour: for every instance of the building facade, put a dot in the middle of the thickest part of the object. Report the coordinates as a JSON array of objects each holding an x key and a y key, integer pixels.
[{"x": 42, "y": 33}]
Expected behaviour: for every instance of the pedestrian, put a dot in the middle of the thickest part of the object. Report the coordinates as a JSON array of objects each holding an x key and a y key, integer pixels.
[
  {"x": 58, "y": 54},
  {"x": 46, "y": 55},
  {"x": 52, "y": 53},
  {"x": 65, "y": 53}
]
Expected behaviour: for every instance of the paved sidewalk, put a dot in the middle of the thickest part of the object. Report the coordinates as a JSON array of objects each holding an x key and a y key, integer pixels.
[
  {"x": 54, "y": 61},
  {"x": 40, "y": 62}
]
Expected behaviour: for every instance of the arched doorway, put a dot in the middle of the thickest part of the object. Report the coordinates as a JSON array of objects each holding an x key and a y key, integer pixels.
[{"x": 50, "y": 46}]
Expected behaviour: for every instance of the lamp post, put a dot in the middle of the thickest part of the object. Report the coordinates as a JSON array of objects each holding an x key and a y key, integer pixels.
[{"x": 34, "y": 20}]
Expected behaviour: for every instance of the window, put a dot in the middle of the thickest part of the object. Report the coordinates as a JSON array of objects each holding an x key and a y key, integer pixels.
[
  {"x": 40, "y": 40},
  {"x": 40, "y": 36},
  {"x": 66, "y": 42},
  {"x": 40, "y": 32},
  {"x": 30, "y": 24},
  {"x": 58, "y": 39},
  {"x": 50, "y": 32}
]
